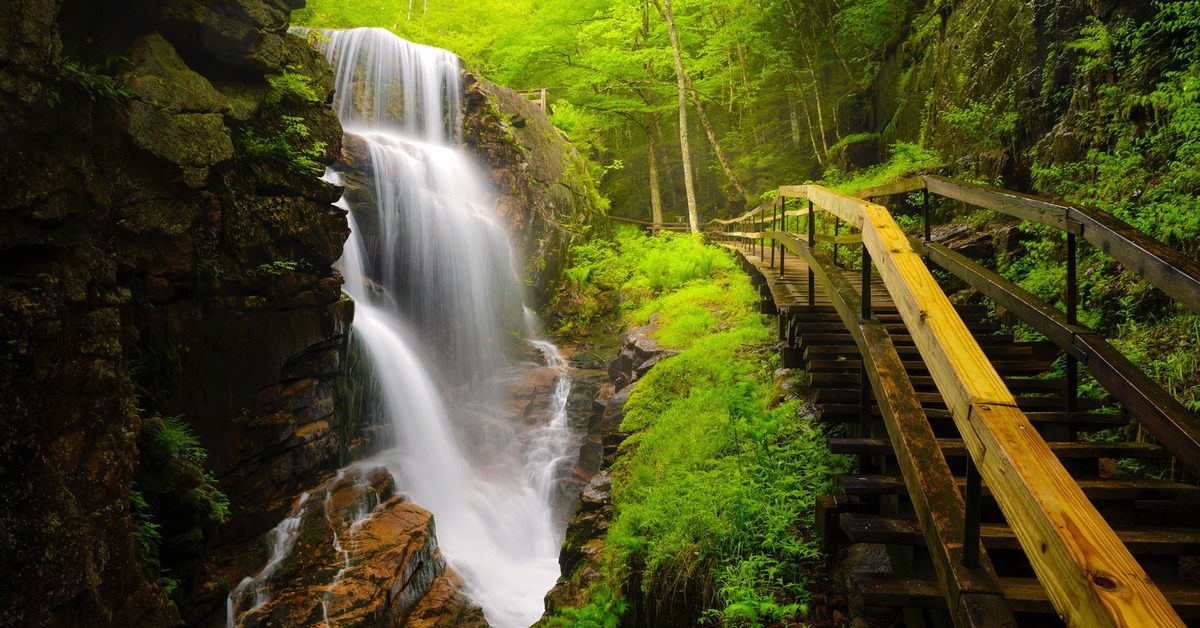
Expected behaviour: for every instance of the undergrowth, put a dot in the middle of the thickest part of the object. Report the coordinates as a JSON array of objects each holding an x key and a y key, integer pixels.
[{"x": 715, "y": 488}]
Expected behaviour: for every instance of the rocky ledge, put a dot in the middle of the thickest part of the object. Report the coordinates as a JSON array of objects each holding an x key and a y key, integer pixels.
[
  {"x": 363, "y": 555},
  {"x": 582, "y": 550}
]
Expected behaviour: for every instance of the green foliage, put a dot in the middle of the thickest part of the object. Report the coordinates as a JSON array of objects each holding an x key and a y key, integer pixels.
[
  {"x": 1136, "y": 115},
  {"x": 603, "y": 610},
  {"x": 714, "y": 492},
  {"x": 981, "y": 125},
  {"x": 92, "y": 81},
  {"x": 176, "y": 505},
  {"x": 290, "y": 87},
  {"x": 619, "y": 276},
  {"x": 1169, "y": 351},
  {"x": 904, "y": 159},
  {"x": 287, "y": 146}
]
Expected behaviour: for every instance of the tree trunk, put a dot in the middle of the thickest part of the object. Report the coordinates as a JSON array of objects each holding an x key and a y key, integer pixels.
[
  {"x": 795, "y": 121},
  {"x": 689, "y": 186},
  {"x": 655, "y": 189},
  {"x": 712, "y": 139}
]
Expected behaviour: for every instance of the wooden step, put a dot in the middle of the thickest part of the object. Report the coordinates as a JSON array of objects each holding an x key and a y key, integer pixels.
[
  {"x": 867, "y": 528},
  {"x": 1024, "y": 367},
  {"x": 954, "y": 448},
  {"x": 1124, "y": 489},
  {"x": 933, "y": 399},
  {"x": 1024, "y": 595},
  {"x": 848, "y": 411},
  {"x": 823, "y": 351},
  {"x": 1015, "y": 384}
]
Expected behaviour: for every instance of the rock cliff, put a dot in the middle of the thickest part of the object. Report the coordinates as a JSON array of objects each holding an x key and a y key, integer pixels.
[
  {"x": 165, "y": 289},
  {"x": 545, "y": 194}
]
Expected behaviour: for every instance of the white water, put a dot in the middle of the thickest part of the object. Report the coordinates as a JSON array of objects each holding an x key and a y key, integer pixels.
[
  {"x": 437, "y": 303},
  {"x": 282, "y": 537}
]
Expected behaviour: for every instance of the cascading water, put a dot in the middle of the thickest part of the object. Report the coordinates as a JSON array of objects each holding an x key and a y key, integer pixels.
[{"x": 437, "y": 305}]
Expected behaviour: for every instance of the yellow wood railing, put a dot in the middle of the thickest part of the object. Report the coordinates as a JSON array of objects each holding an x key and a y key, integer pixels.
[{"x": 1087, "y": 572}]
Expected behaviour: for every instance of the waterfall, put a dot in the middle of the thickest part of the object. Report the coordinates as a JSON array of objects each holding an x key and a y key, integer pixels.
[{"x": 438, "y": 311}]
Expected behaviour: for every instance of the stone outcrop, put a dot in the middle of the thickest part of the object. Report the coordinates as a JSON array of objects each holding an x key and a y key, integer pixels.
[
  {"x": 164, "y": 252},
  {"x": 545, "y": 195},
  {"x": 582, "y": 550},
  {"x": 364, "y": 556}
]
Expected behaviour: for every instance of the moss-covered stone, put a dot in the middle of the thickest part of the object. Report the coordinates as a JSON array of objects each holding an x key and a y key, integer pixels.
[{"x": 546, "y": 195}]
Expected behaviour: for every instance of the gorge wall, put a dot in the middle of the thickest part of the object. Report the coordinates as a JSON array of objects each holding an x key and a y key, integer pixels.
[
  {"x": 546, "y": 196},
  {"x": 165, "y": 268}
]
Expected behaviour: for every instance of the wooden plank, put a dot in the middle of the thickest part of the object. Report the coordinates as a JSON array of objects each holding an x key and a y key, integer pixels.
[
  {"x": 1151, "y": 260},
  {"x": 936, "y": 500},
  {"x": 1014, "y": 204},
  {"x": 1148, "y": 541},
  {"x": 1026, "y": 595},
  {"x": 1175, "y": 427},
  {"x": 1090, "y": 576},
  {"x": 902, "y": 186},
  {"x": 1129, "y": 489},
  {"x": 792, "y": 191},
  {"x": 958, "y": 448}
]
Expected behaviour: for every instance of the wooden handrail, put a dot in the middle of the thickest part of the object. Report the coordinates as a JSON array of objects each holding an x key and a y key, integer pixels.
[
  {"x": 1090, "y": 577},
  {"x": 1164, "y": 267},
  {"x": 662, "y": 226},
  {"x": 973, "y": 594},
  {"x": 1177, "y": 429}
]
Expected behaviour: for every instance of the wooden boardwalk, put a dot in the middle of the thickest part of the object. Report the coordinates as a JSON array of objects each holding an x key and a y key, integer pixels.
[{"x": 975, "y": 465}]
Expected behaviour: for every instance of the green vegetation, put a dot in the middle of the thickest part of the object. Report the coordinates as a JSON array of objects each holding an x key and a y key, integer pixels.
[
  {"x": 1136, "y": 114},
  {"x": 904, "y": 160},
  {"x": 715, "y": 488},
  {"x": 284, "y": 138},
  {"x": 608, "y": 278},
  {"x": 93, "y": 81},
  {"x": 175, "y": 503}
]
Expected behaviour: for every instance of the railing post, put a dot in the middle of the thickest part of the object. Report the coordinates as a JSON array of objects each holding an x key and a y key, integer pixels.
[
  {"x": 812, "y": 242},
  {"x": 1072, "y": 316},
  {"x": 783, "y": 228},
  {"x": 762, "y": 226},
  {"x": 864, "y": 381},
  {"x": 925, "y": 211},
  {"x": 866, "y": 283},
  {"x": 971, "y": 499},
  {"x": 837, "y": 230},
  {"x": 772, "y": 229}
]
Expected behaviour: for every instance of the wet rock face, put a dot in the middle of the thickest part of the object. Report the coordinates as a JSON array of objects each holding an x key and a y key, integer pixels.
[
  {"x": 387, "y": 572},
  {"x": 582, "y": 551},
  {"x": 153, "y": 264},
  {"x": 542, "y": 184}
]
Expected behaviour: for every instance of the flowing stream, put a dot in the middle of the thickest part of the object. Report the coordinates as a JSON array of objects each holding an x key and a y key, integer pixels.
[{"x": 438, "y": 313}]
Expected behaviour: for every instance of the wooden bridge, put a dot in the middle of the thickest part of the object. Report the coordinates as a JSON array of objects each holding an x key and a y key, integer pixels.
[{"x": 974, "y": 468}]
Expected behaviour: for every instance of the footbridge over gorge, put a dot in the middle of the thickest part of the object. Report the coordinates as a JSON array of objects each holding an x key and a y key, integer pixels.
[{"x": 974, "y": 464}]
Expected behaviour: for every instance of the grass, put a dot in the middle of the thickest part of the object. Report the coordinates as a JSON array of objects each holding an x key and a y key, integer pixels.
[{"x": 714, "y": 490}]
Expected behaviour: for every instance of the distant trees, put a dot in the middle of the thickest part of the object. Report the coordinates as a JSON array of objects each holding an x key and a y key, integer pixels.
[{"x": 765, "y": 81}]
